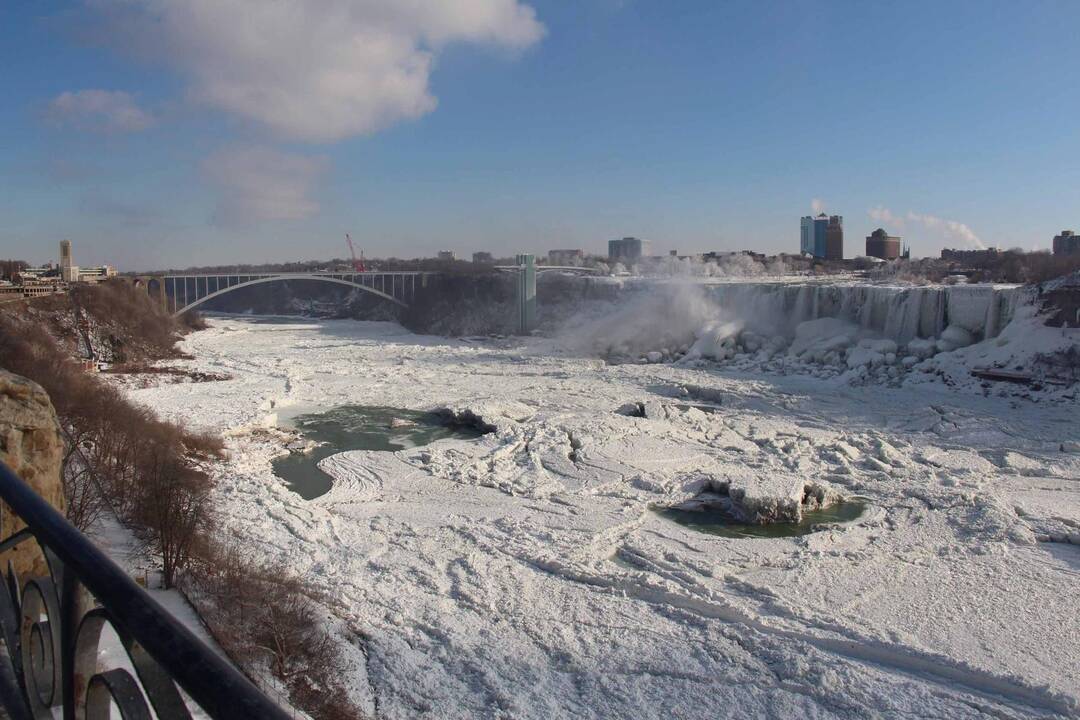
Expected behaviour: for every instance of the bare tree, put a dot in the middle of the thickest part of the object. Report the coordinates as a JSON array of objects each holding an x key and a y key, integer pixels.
[
  {"x": 172, "y": 509},
  {"x": 84, "y": 497}
]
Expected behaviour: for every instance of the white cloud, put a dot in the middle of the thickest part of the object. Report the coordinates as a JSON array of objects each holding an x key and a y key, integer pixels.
[
  {"x": 885, "y": 216},
  {"x": 817, "y": 205},
  {"x": 98, "y": 110},
  {"x": 951, "y": 230},
  {"x": 315, "y": 70},
  {"x": 260, "y": 183}
]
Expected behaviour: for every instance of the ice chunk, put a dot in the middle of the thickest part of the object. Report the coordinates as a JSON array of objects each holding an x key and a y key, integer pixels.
[
  {"x": 871, "y": 353},
  {"x": 715, "y": 340},
  {"x": 922, "y": 347},
  {"x": 953, "y": 338}
]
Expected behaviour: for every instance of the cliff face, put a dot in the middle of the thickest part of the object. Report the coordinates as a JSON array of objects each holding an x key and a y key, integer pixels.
[
  {"x": 30, "y": 444},
  {"x": 109, "y": 322}
]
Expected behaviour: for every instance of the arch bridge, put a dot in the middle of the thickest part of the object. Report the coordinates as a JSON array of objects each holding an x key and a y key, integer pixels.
[{"x": 181, "y": 293}]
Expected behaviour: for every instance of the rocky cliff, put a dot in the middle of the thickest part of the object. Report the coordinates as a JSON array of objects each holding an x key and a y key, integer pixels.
[{"x": 30, "y": 444}]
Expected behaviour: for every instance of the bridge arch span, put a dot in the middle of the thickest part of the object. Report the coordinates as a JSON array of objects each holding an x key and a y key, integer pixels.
[{"x": 280, "y": 278}]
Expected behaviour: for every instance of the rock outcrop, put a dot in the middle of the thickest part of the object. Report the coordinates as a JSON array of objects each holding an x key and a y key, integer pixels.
[{"x": 30, "y": 444}]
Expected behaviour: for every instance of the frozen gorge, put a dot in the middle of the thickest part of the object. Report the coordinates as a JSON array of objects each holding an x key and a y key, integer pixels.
[{"x": 526, "y": 574}]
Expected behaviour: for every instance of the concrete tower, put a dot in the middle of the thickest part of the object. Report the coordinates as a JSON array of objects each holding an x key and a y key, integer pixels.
[{"x": 68, "y": 272}]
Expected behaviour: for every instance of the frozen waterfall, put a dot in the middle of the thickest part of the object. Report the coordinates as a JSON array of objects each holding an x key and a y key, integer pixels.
[{"x": 896, "y": 312}]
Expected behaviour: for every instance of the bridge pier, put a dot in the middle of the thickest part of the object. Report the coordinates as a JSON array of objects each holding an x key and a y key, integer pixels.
[{"x": 526, "y": 294}]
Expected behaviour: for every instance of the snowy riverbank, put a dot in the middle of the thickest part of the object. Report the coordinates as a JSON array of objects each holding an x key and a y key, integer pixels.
[{"x": 524, "y": 574}]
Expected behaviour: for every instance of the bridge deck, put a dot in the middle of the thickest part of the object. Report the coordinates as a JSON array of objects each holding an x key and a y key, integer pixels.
[{"x": 182, "y": 292}]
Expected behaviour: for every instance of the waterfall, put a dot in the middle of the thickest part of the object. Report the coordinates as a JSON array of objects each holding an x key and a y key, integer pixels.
[{"x": 898, "y": 313}]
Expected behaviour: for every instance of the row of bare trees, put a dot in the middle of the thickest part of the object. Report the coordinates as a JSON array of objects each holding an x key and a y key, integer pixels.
[
  {"x": 118, "y": 454},
  {"x": 121, "y": 459}
]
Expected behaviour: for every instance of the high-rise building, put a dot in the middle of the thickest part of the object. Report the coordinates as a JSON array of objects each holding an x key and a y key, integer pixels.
[
  {"x": 880, "y": 244},
  {"x": 627, "y": 250},
  {"x": 483, "y": 258},
  {"x": 822, "y": 236},
  {"x": 834, "y": 238},
  {"x": 806, "y": 235},
  {"x": 1067, "y": 243},
  {"x": 447, "y": 255}
]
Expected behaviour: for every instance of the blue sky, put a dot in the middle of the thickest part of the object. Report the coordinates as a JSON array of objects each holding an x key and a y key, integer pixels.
[{"x": 179, "y": 132}]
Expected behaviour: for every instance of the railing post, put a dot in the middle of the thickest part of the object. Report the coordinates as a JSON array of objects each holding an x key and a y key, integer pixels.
[{"x": 71, "y": 611}]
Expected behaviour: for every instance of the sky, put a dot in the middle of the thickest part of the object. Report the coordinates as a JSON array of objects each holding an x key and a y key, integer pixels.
[{"x": 171, "y": 133}]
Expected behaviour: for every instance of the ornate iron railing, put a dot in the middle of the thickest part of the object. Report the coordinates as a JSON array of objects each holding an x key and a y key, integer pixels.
[{"x": 52, "y": 626}]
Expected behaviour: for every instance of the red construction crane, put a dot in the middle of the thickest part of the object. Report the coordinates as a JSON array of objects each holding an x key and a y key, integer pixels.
[{"x": 358, "y": 265}]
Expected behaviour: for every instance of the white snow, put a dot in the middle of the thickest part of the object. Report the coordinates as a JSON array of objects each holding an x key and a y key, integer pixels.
[{"x": 524, "y": 574}]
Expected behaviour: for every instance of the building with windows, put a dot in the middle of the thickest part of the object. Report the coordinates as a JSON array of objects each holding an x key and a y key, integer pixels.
[
  {"x": 806, "y": 235},
  {"x": 628, "y": 250},
  {"x": 822, "y": 236},
  {"x": 880, "y": 244},
  {"x": 1067, "y": 243},
  {"x": 447, "y": 255},
  {"x": 96, "y": 274},
  {"x": 66, "y": 272},
  {"x": 44, "y": 271},
  {"x": 969, "y": 256},
  {"x": 834, "y": 238}
]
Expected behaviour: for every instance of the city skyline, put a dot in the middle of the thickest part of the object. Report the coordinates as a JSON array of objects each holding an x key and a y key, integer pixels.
[{"x": 527, "y": 126}]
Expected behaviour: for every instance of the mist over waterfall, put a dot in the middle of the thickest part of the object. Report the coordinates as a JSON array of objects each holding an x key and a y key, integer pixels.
[{"x": 841, "y": 326}]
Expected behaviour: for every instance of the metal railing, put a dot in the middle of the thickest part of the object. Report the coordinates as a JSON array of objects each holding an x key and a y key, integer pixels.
[{"x": 51, "y": 628}]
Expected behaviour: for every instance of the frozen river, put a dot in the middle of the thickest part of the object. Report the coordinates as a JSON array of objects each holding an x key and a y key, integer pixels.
[{"x": 525, "y": 573}]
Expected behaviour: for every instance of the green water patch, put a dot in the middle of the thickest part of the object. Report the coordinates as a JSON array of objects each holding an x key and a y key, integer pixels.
[
  {"x": 361, "y": 427},
  {"x": 716, "y": 520}
]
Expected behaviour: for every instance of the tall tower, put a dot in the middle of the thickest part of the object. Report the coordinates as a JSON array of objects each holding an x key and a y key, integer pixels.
[
  {"x": 68, "y": 272},
  {"x": 806, "y": 235}
]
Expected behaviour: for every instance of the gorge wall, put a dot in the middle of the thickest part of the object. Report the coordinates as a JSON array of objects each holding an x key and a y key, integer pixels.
[{"x": 30, "y": 444}]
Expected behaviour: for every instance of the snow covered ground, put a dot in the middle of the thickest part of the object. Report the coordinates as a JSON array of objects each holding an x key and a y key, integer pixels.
[{"x": 524, "y": 574}]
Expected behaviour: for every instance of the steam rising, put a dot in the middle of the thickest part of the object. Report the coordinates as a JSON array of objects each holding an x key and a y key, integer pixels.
[
  {"x": 670, "y": 315},
  {"x": 949, "y": 229},
  {"x": 652, "y": 318}
]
